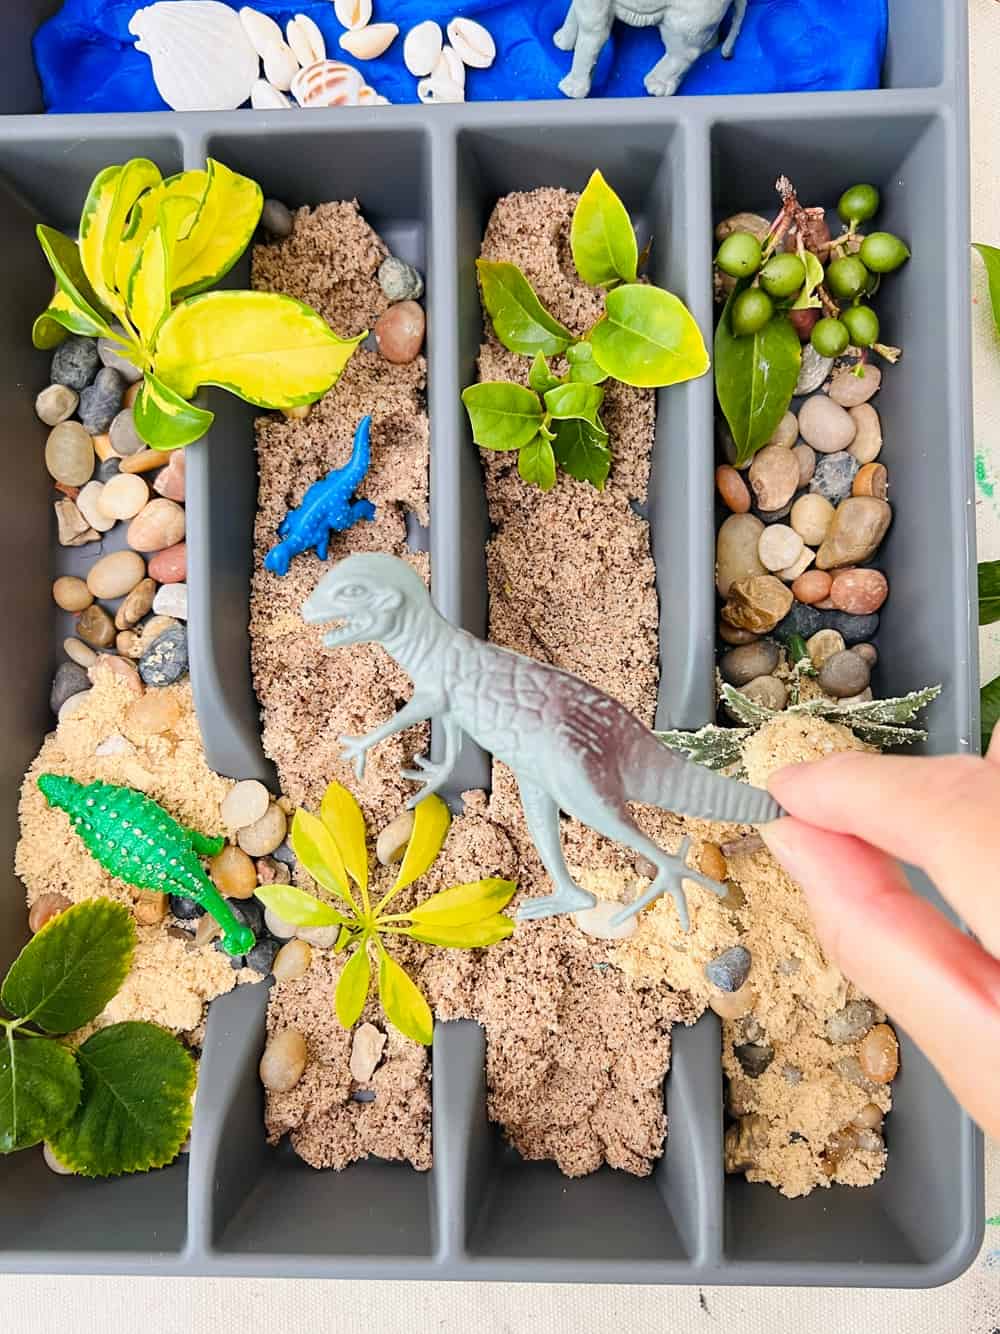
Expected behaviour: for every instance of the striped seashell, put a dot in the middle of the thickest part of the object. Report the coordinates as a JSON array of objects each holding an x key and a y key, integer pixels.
[
  {"x": 473, "y": 44},
  {"x": 353, "y": 14},
  {"x": 260, "y": 28},
  {"x": 369, "y": 42},
  {"x": 265, "y": 97},
  {"x": 422, "y": 48},
  {"x": 368, "y": 97},
  {"x": 202, "y": 58},
  {"x": 327, "y": 83},
  {"x": 305, "y": 39}
]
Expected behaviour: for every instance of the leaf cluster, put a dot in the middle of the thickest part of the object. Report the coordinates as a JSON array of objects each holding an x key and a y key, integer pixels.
[
  {"x": 148, "y": 250},
  {"x": 333, "y": 849},
  {"x": 989, "y": 614},
  {"x": 646, "y": 337},
  {"x": 120, "y": 1102}
]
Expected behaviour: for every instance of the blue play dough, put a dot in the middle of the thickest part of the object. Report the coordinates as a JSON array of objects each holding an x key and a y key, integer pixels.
[{"x": 86, "y": 60}]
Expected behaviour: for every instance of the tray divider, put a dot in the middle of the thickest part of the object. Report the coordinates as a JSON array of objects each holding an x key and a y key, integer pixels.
[{"x": 463, "y": 1137}]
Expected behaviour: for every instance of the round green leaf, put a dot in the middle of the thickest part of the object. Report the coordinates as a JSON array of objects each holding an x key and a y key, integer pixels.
[
  {"x": 164, "y": 419},
  {"x": 503, "y": 416},
  {"x": 581, "y": 449},
  {"x": 575, "y": 400},
  {"x": 649, "y": 338},
  {"x": 352, "y": 987},
  {"x": 465, "y": 903},
  {"x": 755, "y": 377},
  {"x": 39, "y": 1090},
  {"x": 536, "y": 463},
  {"x": 135, "y": 1109},
  {"x": 68, "y": 972},
  {"x": 601, "y": 236},
  {"x": 403, "y": 1002},
  {"x": 519, "y": 319}
]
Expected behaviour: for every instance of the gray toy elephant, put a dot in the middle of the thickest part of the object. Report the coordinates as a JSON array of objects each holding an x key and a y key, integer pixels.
[{"x": 689, "y": 28}]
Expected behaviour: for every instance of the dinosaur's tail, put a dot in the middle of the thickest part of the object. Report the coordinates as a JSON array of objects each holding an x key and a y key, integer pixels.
[
  {"x": 660, "y": 777},
  {"x": 361, "y": 455},
  {"x": 279, "y": 558}
]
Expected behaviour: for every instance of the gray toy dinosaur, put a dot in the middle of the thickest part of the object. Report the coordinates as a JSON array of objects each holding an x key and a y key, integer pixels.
[
  {"x": 689, "y": 28},
  {"x": 572, "y": 748}
]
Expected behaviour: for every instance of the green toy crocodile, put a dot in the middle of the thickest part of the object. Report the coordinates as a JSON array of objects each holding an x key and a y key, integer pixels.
[{"x": 136, "y": 840}]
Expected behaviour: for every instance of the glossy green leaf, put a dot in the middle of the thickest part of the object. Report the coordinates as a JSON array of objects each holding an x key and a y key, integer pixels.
[
  {"x": 989, "y": 592},
  {"x": 648, "y": 337},
  {"x": 575, "y": 400},
  {"x": 519, "y": 319},
  {"x": 601, "y": 236},
  {"x": 68, "y": 972},
  {"x": 136, "y": 178},
  {"x": 148, "y": 289},
  {"x": 39, "y": 1090},
  {"x": 164, "y": 419},
  {"x": 536, "y": 463},
  {"x": 135, "y": 1110},
  {"x": 583, "y": 369},
  {"x": 94, "y": 229},
  {"x": 989, "y": 701},
  {"x": 503, "y": 415},
  {"x": 465, "y": 903},
  {"x": 229, "y": 212},
  {"x": 266, "y": 348},
  {"x": 471, "y": 936},
  {"x": 52, "y": 326},
  {"x": 343, "y": 818},
  {"x": 431, "y": 820},
  {"x": 403, "y": 1002},
  {"x": 755, "y": 378},
  {"x": 298, "y": 908},
  {"x": 991, "y": 258},
  {"x": 540, "y": 378},
  {"x": 807, "y": 298},
  {"x": 581, "y": 449},
  {"x": 352, "y": 987},
  {"x": 79, "y": 310},
  {"x": 316, "y": 849}
]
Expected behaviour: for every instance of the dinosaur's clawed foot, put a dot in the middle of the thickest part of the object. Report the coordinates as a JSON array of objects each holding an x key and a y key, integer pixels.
[
  {"x": 355, "y": 748},
  {"x": 574, "y": 86},
  {"x": 661, "y": 84},
  {"x": 432, "y": 776},
  {"x": 564, "y": 38},
  {"x": 670, "y": 880},
  {"x": 553, "y": 905}
]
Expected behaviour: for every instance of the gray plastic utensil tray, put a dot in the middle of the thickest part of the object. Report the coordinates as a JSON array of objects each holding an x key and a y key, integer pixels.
[{"x": 427, "y": 179}]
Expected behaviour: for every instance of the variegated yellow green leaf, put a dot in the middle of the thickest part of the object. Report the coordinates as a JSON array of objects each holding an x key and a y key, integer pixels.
[
  {"x": 352, "y": 987},
  {"x": 313, "y": 845},
  {"x": 148, "y": 290},
  {"x": 403, "y": 1002},
  {"x": 470, "y": 936},
  {"x": 268, "y": 349},
  {"x": 298, "y": 908},
  {"x": 164, "y": 419},
  {"x": 342, "y": 816},
  {"x": 136, "y": 177},
  {"x": 185, "y": 185},
  {"x": 464, "y": 903},
  {"x": 229, "y": 212},
  {"x": 94, "y": 228},
  {"x": 79, "y": 310},
  {"x": 431, "y": 819}
]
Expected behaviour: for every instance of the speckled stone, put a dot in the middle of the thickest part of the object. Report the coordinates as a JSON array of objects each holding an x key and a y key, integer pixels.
[
  {"x": 729, "y": 970},
  {"x": 834, "y": 476},
  {"x": 70, "y": 679},
  {"x": 166, "y": 660},
  {"x": 399, "y": 281},
  {"x": 75, "y": 362},
  {"x": 101, "y": 401}
]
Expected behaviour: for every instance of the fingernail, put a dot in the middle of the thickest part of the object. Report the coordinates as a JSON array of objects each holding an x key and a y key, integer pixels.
[{"x": 775, "y": 836}]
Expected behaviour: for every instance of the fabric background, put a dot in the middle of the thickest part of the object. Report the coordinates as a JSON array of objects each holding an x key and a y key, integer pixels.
[{"x": 971, "y": 1305}]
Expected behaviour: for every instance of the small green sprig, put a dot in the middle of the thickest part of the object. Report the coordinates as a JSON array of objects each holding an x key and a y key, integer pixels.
[
  {"x": 646, "y": 337},
  {"x": 333, "y": 849},
  {"x": 121, "y": 1102}
]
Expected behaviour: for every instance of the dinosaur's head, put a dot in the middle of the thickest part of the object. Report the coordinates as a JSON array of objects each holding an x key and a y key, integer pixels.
[{"x": 369, "y": 594}]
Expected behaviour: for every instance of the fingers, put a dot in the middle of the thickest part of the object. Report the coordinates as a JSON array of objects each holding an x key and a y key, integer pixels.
[
  {"x": 940, "y": 814},
  {"x": 936, "y": 982}
]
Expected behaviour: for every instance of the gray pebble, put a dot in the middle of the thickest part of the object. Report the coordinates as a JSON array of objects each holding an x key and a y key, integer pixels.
[
  {"x": 261, "y": 957},
  {"x": 400, "y": 281},
  {"x": 101, "y": 401},
  {"x": 276, "y": 219},
  {"x": 125, "y": 439},
  {"x": 70, "y": 679},
  {"x": 56, "y": 404},
  {"x": 768, "y": 691},
  {"x": 833, "y": 476},
  {"x": 740, "y": 665},
  {"x": 75, "y": 362},
  {"x": 754, "y": 1058},
  {"x": 111, "y": 356},
  {"x": 801, "y": 620},
  {"x": 813, "y": 372},
  {"x": 730, "y": 969},
  {"x": 844, "y": 674},
  {"x": 166, "y": 659},
  {"x": 869, "y": 652},
  {"x": 855, "y": 629},
  {"x": 107, "y": 469},
  {"x": 851, "y": 1023}
]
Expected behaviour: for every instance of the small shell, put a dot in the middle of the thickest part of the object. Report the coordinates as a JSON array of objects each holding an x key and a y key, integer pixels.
[
  {"x": 305, "y": 39},
  {"x": 327, "y": 83},
  {"x": 439, "y": 89},
  {"x": 474, "y": 45},
  {"x": 353, "y": 14},
  {"x": 260, "y": 28},
  {"x": 202, "y": 58},
  {"x": 265, "y": 97},
  {"x": 367, "y": 43},
  {"x": 368, "y": 97},
  {"x": 422, "y": 48},
  {"x": 280, "y": 66},
  {"x": 450, "y": 67}
]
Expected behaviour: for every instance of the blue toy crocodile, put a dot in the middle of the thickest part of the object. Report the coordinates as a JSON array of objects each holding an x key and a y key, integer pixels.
[{"x": 326, "y": 507}]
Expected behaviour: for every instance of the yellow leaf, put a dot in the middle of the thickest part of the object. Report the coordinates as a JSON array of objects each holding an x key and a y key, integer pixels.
[
  {"x": 469, "y": 936},
  {"x": 296, "y": 907},
  {"x": 313, "y": 845},
  {"x": 403, "y": 1002},
  {"x": 94, "y": 227},
  {"x": 75, "y": 306},
  {"x": 229, "y": 212},
  {"x": 186, "y": 184},
  {"x": 431, "y": 819},
  {"x": 352, "y": 987},
  {"x": 148, "y": 291},
  {"x": 342, "y": 816},
  {"x": 269, "y": 349},
  {"x": 464, "y": 903}
]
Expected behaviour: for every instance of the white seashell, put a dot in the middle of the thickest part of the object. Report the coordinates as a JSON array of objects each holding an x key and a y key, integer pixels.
[
  {"x": 202, "y": 58},
  {"x": 265, "y": 97},
  {"x": 439, "y": 89},
  {"x": 260, "y": 28},
  {"x": 474, "y": 45},
  {"x": 369, "y": 42},
  {"x": 353, "y": 14},
  {"x": 327, "y": 83},
  {"x": 449, "y": 67},
  {"x": 368, "y": 97},
  {"x": 280, "y": 66},
  {"x": 305, "y": 39},
  {"x": 422, "y": 48}
]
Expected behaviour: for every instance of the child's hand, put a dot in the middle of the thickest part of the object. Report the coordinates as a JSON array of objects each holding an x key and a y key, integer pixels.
[{"x": 850, "y": 817}]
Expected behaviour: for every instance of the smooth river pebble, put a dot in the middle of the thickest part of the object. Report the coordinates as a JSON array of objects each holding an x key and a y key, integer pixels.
[
  {"x": 110, "y": 355},
  {"x": 858, "y": 527},
  {"x": 124, "y": 496},
  {"x": 813, "y": 371},
  {"x": 56, "y": 403},
  {"x": 859, "y": 592},
  {"x": 264, "y": 835},
  {"x": 757, "y": 603},
  {"x": 171, "y": 600},
  {"x": 768, "y": 691},
  {"x": 69, "y": 454},
  {"x": 169, "y": 566},
  {"x": 100, "y": 401},
  {"x": 740, "y": 665},
  {"x": 825, "y": 425},
  {"x": 88, "y": 502},
  {"x": 786, "y": 432},
  {"x": 136, "y": 605},
  {"x": 779, "y": 547},
  {"x": 811, "y": 518},
  {"x": 736, "y": 551},
  {"x": 160, "y": 524},
  {"x": 844, "y": 674},
  {"x": 813, "y": 586},
  {"x": 75, "y": 362},
  {"x": 399, "y": 333},
  {"x": 125, "y": 439},
  {"x": 284, "y": 1060},
  {"x": 774, "y": 476},
  {"x": 70, "y": 679},
  {"x": 233, "y": 873},
  {"x": 71, "y": 593},
  {"x": 116, "y": 574},
  {"x": 732, "y": 489},
  {"x": 730, "y": 969},
  {"x": 849, "y": 390},
  {"x": 245, "y": 804},
  {"x": 867, "y": 443},
  {"x": 95, "y": 627}
]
